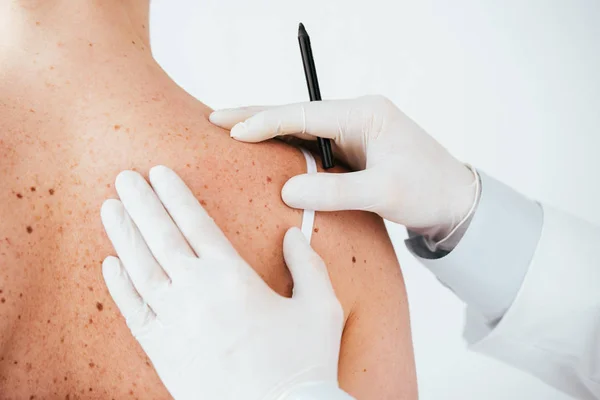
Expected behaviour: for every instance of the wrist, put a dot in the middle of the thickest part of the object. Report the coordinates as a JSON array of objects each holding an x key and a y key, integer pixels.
[{"x": 460, "y": 203}]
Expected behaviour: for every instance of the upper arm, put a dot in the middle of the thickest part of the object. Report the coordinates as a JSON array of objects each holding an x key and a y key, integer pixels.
[
  {"x": 242, "y": 192},
  {"x": 376, "y": 358}
]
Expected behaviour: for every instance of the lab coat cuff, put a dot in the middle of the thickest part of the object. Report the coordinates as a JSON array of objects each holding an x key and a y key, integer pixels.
[
  {"x": 446, "y": 244},
  {"x": 488, "y": 265}
]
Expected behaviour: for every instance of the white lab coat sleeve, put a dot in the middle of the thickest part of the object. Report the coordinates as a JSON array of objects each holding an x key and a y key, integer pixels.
[
  {"x": 479, "y": 270},
  {"x": 546, "y": 263},
  {"x": 552, "y": 329}
]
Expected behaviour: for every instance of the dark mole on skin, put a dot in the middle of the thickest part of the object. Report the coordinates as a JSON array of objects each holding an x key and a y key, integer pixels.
[
  {"x": 202, "y": 202},
  {"x": 19, "y": 195},
  {"x": 3, "y": 300},
  {"x": 353, "y": 259},
  {"x": 29, "y": 229},
  {"x": 92, "y": 365},
  {"x": 51, "y": 191},
  {"x": 316, "y": 230},
  {"x": 99, "y": 306},
  {"x": 269, "y": 180},
  {"x": 32, "y": 188}
]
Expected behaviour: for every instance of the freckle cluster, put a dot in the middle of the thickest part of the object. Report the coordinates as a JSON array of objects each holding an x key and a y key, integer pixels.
[{"x": 33, "y": 189}]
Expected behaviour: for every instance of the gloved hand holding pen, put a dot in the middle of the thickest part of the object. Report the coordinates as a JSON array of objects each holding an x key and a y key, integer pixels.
[
  {"x": 513, "y": 259},
  {"x": 505, "y": 255},
  {"x": 402, "y": 173}
]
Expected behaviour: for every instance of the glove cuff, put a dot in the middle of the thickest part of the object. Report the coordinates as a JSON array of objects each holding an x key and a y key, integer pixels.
[{"x": 317, "y": 391}]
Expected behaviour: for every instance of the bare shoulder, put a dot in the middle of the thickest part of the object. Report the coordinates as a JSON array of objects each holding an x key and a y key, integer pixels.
[
  {"x": 240, "y": 186},
  {"x": 72, "y": 172}
]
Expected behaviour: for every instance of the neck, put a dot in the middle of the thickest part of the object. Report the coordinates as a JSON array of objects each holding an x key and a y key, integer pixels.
[{"x": 32, "y": 25}]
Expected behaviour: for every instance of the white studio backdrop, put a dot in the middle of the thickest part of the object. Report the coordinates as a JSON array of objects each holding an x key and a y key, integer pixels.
[{"x": 512, "y": 87}]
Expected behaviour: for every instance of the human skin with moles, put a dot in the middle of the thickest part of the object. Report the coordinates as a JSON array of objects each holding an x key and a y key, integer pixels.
[{"x": 81, "y": 100}]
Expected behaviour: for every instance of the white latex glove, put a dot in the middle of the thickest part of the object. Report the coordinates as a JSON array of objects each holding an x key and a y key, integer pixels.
[
  {"x": 404, "y": 175},
  {"x": 211, "y": 326}
]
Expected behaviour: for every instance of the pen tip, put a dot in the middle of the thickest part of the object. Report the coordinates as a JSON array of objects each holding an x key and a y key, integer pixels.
[{"x": 301, "y": 29}]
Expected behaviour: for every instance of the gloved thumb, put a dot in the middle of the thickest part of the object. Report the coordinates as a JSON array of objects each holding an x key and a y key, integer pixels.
[
  {"x": 331, "y": 192},
  {"x": 306, "y": 266}
]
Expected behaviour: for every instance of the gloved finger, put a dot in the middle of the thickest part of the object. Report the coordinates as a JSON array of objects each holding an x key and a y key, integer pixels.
[
  {"x": 200, "y": 230},
  {"x": 145, "y": 273},
  {"x": 229, "y": 117},
  {"x": 331, "y": 192},
  {"x": 138, "y": 315},
  {"x": 156, "y": 226},
  {"x": 327, "y": 119},
  {"x": 311, "y": 279}
]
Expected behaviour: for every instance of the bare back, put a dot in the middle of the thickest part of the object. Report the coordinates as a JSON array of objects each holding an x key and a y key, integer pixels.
[{"x": 78, "y": 107}]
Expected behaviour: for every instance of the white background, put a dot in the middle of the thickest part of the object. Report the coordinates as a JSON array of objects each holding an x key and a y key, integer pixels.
[{"x": 512, "y": 87}]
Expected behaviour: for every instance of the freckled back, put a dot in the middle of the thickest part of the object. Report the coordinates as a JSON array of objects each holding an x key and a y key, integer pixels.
[{"x": 60, "y": 333}]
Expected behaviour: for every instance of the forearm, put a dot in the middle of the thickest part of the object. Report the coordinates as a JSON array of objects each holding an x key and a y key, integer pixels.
[
  {"x": 533, "y": 274},
  {"x": 551, "y": 329},
  {"x": 487, "y": 266}
]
